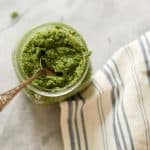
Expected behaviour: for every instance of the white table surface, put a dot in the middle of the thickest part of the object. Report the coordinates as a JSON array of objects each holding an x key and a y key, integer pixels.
[{"x": 105, "y": 24}]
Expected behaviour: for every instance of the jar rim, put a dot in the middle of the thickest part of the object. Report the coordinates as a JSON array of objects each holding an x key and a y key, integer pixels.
[{"x": 60, "y": 92}]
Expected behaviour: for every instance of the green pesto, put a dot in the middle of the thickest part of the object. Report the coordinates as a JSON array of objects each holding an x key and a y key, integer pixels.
[
  {"x": 14, "y": 14},
  {"x": 61, "y": 50}
]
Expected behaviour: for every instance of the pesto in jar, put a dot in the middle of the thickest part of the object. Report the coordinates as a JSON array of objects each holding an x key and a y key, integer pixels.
[{"x": 62, "y": 50}]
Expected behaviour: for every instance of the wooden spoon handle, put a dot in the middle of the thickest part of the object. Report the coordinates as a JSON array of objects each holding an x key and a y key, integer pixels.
[{"x": 7, "y": 96}]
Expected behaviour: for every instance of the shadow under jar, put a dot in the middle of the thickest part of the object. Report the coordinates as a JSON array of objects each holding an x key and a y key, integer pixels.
[{"x": 61, "y": 49}]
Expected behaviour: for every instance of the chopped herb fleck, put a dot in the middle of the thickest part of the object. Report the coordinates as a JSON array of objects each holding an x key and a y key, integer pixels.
[{"x": 14, "y": 14}]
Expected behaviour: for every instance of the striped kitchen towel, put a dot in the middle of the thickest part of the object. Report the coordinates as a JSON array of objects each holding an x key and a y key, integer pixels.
[{"x": 113, "y": 113}]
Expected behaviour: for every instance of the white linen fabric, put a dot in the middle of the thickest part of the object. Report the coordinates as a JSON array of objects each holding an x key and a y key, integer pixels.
[{"x": 113, "y": 112}]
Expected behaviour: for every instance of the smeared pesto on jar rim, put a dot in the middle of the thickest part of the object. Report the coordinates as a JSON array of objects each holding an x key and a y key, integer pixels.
[{"x": 61, "y": 50}]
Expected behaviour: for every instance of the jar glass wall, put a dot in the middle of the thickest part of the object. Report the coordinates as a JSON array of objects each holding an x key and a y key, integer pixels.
[{"x": 41, "y": 96}]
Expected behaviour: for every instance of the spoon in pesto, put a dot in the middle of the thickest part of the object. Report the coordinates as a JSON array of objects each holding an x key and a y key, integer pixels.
[{"x": 7, "y": 96}]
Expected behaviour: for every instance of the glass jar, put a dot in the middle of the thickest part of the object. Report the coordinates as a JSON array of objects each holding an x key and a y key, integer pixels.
[{"x": 41, "y": 96}]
